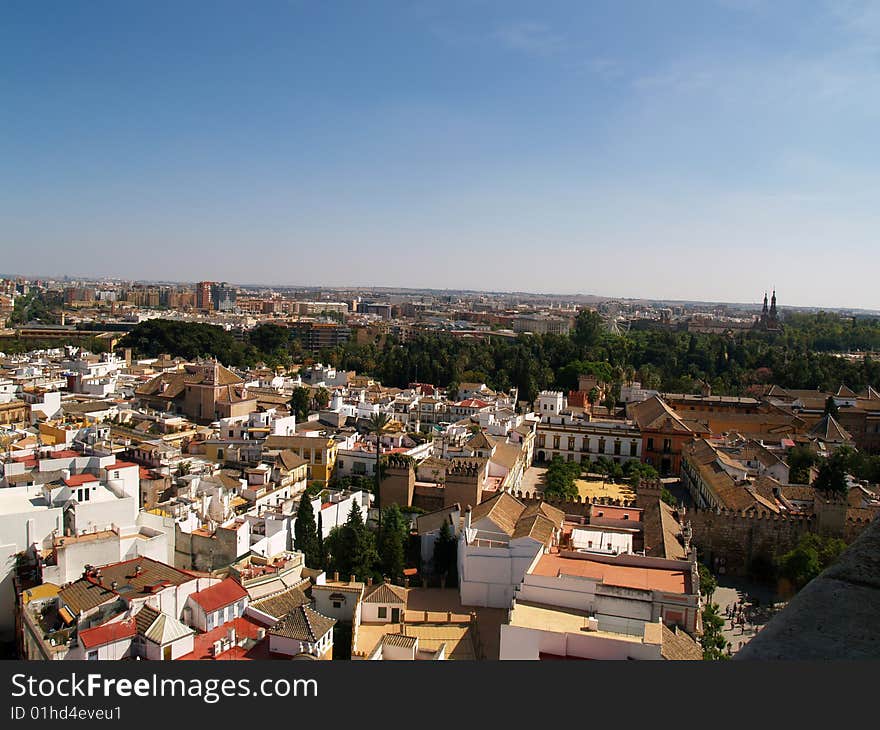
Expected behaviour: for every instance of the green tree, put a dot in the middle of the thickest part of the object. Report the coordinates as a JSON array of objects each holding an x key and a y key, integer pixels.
[
  {"x": 379, "y": 425},
  {"x": 587, "y": 329},
  {"x": 831, "y": 407},
  {"x": 713, "y": 642},
  {"x": 300, "y": 400},
  {"x": 446, "y": 555},
  {"x": 800, "y": 461},
  {"x": 593, "y": 398},
  {"x": 832, "y": 476},
  {"x": 365, "y": 557},
  {"x": 392, "y": 543},
  {"x": 811, "y": 556},
  {"x": 319, "y": 534},
  {"x": 708, "y": 583},
  {"x": 305, "y": 533},
  {"x": 322, "y": 398},
  {"x": 352, "y": 547},
  {"x": 560, "y": 479}
]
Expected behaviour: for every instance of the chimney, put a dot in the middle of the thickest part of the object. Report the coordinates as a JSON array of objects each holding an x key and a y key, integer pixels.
[
  {"x": 336, "y": 576},
  {"x": 370, "y": 581},
  {"x": 351, "y": 578},
  {"x": 230, "y": 635}
]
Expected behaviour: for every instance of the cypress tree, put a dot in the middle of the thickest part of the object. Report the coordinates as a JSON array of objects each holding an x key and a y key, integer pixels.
[
  {"x": 392, "y": 542},
  {"x": 305, "y": 537}
]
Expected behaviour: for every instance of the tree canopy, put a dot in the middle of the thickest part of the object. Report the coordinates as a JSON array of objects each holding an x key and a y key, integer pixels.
[{"x": 305, "y": 533}]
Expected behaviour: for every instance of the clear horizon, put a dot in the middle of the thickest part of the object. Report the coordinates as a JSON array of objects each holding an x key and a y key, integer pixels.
[{"x": 702, "y": 151}]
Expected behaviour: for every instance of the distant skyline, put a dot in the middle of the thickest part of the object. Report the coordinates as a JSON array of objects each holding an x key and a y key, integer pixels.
[
  {"x": 693, "y": 151},
  {"x": 599, "y": 296}
]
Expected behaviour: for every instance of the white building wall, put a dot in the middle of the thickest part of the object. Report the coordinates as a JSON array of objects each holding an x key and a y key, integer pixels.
[
  {"x": 102, "y": 514},
  {"x": 519, "y": 642},
  {"x": 488, "y": 576}
]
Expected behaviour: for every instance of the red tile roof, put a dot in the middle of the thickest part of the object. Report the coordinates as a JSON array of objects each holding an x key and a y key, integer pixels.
[
  {"x": 472, "y": 403},
  {"x": 624, "y": 576},
  {"x": 245, "y": 627},
  {"x": 65, "y": 454},
  {"x": 77, "y": 480},
  {"x": 108, "y": 633},
  {"x": 121, "y": 465},
  {"x": 222, "y": 594}
]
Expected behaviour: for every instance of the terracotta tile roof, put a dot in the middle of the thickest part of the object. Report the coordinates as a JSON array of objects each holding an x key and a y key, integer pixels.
[
  {"x": 480, "y": 441},
  {"x": 290, "y": 460},
  {"x": 121, "y": 465},
  {"x": 670, "y": 531},
  {"x": 245, "y": 628},
  {"x": 217, "y": 596},
  {"x": 83, "y": 594},
  {"x": 281, "y": 604},
  {"x": 130, "y": 583},
  {"x": 506, "y": 455},
  {"x": 654, "y": 414},
  {"x": 677, "y": 645},
  {"x": 108, "y": 633},
  {"x": 386, "y": 593},
  {"x": 77, "y": 480},
  {"x": 303, "y": 624},
  {"x": 399, "y": 640},
  {"x": 434, "y": 520},
  {"x": 625, "y": 576},
  {"x": 537, "y": 526},
  {"x": 145, "y": 618},
  {"x": 503, "y": 509},
  {"x": 828, "y": 429}
]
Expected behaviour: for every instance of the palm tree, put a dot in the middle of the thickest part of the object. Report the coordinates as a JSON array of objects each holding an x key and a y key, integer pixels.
[{"x": 379, "y": 425}]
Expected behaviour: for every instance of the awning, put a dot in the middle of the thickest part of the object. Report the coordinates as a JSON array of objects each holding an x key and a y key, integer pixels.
[{"x": 66, "y": 615}]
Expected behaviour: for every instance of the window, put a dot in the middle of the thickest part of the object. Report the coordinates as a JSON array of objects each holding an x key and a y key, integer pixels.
[
  {"x": 571, "y": 443},
  {"x": 92, "y": 655},
  {"x": 617, "y": 447},
  {"x": 340, "y": 463},
  {"x": 602, "y": 445},
  {"x": 667, "y": 445},
  {"x": 338, "y": 604},
  {"x": 633, "y": 447},
  {"x": 556, "y": 442},
  {"x": 541, "y": 440},
  {"x": 650, "y": 446},
  {"x": 383, "y": 612}
]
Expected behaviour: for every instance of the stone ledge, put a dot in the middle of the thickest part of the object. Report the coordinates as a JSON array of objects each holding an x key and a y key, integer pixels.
[{"x": 834, "y": 616}]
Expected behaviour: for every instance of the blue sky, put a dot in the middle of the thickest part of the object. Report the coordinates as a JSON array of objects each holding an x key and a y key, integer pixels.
[{"x": 699, "y": 150}]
